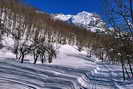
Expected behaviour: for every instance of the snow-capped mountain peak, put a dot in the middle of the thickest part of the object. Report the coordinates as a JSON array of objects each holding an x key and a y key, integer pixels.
[
  {"x": 84, "y": 13},
  {"x": 83, "y": 19},
  {"x": 63, "y": 17}
]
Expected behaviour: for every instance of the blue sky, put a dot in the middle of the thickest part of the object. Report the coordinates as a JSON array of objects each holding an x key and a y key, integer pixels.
[{"x": 67, "y": 6}]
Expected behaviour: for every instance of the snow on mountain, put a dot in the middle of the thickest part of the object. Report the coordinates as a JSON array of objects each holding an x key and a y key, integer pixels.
[
  {"x": 90, "y": 21},
  {"x": 63, "y": 17}
]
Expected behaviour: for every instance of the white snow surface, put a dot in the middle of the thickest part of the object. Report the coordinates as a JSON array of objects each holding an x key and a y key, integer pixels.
[
  {"x": 70, "y": 70},
  {"x": 63, "y": 17}
]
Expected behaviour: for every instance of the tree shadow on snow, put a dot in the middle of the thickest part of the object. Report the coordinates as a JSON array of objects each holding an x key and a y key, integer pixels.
[{"x": 81, "y": 57}]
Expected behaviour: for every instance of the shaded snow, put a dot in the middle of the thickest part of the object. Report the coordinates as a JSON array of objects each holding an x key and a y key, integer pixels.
[{"x": 70, "y": 70}]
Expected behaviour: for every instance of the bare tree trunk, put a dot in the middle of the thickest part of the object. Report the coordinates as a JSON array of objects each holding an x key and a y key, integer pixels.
[
  {"x": 35, "y": 58},
  {"x": 50, "y": 59},
  {"x": 22, "y": 58},
  {"x": 130, "y": 66},
  {"x": 127, "y": 72},
  {"x": 123, "y": 71},
  {"x": 43, "y": 58}
]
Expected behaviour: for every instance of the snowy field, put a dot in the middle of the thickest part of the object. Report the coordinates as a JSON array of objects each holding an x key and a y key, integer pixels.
[{"x": 70, "y": 70}]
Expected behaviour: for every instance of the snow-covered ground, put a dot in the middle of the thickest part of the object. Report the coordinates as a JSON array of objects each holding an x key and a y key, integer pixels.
[{"x": 70, "y": 70}]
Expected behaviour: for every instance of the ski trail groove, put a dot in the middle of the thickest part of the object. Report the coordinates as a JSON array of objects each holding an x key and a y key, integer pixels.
[{"x": 30, "y": 76}]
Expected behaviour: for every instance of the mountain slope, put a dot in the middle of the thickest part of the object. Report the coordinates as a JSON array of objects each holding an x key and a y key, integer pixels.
[{"x": 84, "y": 19}]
